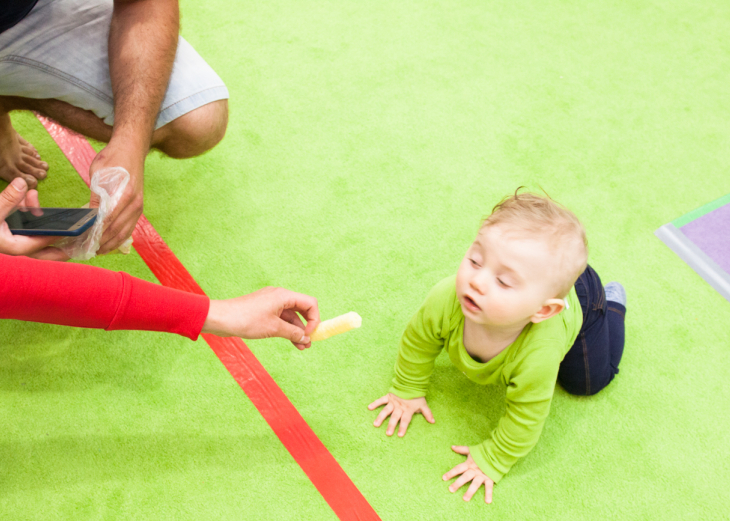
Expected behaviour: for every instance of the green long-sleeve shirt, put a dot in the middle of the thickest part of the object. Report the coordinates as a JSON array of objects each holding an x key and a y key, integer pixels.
[{"x": 528, "y": 368}]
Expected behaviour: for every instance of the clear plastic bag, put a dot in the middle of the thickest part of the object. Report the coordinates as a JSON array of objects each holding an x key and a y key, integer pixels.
[{"x": 109, "y": 185}]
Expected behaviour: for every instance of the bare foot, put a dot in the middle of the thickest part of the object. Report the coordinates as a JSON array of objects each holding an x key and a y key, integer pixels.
[{"x": 18, "y": 158}]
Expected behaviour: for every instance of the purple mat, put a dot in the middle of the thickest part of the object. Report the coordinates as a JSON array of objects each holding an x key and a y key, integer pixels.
[
  {"x": 702, "y": 240},
  {"x": 711, "y": 234}
]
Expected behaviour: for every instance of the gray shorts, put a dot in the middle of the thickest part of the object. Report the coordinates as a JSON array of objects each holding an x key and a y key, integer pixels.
[{"x": 59, "y": 51}]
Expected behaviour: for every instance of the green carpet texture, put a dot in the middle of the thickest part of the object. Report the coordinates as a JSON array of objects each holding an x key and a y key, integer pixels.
[{"x": 366, "y": 141}]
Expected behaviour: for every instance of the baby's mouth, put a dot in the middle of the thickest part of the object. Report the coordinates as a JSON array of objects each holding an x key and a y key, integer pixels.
[{"x": 471, "y": 302}]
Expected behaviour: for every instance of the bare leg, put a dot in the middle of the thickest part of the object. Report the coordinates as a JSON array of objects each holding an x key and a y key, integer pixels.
[{"x": 189, "y": 135}]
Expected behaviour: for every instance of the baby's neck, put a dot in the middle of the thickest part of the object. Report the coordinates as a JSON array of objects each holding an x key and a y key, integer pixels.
[{"x": 484, "y": 343}]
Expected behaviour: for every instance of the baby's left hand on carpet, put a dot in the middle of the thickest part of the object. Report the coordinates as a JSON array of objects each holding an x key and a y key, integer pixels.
[{"x": 469, "y": 472}]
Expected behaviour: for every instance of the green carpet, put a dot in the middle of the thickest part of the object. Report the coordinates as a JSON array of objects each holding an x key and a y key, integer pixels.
[{"x": 366, "y": 141}]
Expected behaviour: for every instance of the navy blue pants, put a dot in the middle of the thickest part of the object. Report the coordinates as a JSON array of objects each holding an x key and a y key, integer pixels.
[{"x": 592, "y": 362}]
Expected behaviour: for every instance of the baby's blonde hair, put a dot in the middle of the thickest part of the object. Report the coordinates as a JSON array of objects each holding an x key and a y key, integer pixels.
[{"x": 541, "y": 216}]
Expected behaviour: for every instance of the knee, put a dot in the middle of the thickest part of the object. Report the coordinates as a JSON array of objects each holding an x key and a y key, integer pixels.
[
  {"x": 196, "y": 132},
  {"x": 583, "y": 387},
  {"x": 573, "y": 387}
]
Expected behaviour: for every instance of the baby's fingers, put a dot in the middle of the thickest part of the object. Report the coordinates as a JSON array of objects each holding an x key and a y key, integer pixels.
[
  {"x": 428, "y": 414},
  {"x": 473, "y": 488},
  {"x": 460, "y": 449},
  {"x": 466, "y": 476},
  {"x": 404, "y": 423},
  {"x": 377, "y": 403},
  {"x": 393, "y": 422},
  {"x": 460, "y": 468},
  {"x": 488, "y": 485},
  {"x": 383, "y": 415},
  {"x": 475, "y": 484}
]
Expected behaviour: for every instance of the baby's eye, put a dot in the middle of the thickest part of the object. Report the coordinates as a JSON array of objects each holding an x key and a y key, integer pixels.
[
  {"x": 501, "y": 283},
  {"x": 474, "y": 263}
]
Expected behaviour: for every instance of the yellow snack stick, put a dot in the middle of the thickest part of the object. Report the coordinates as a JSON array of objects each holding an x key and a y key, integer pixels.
[{"x": 337, "y": 325}]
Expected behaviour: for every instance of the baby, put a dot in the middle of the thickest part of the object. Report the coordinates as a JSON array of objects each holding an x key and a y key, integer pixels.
[{"x": 523, "y": 310}]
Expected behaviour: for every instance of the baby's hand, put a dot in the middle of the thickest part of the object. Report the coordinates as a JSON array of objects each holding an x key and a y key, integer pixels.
[
  {"x": 400, "y": 410},
  {"x": 469, "y": 472}
]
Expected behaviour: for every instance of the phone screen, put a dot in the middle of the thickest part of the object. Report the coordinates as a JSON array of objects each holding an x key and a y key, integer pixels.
[{"x": 56, "y": 219}]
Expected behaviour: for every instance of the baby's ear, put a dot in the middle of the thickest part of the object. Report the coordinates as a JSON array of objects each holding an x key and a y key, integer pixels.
[{"x": 550, "y": 308}]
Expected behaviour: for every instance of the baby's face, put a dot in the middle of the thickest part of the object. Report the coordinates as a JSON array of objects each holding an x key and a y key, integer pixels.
[{"x": 505, "y": 277}]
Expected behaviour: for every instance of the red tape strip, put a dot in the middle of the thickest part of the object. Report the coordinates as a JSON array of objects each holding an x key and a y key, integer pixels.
[{"x": 302, "y": 443}]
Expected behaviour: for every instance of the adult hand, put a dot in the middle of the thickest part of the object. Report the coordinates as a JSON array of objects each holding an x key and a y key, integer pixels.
[
  {"x": 268, "y": 312},
  {"x": 469, "y": 472},
  {"x": 14, "y": 195},
  {"x": 119, "y": 225},
  {"x": 143, "y": 38},
  {"x": 400, "y": 410}
]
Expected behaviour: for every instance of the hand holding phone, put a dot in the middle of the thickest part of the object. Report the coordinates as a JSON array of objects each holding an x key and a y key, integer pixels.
[
  {"x": 67, "y": 222},
  {"x": 37, "y": 247}
]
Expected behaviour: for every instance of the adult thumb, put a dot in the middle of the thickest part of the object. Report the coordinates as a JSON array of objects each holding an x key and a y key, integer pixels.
[
  {"x": 293, "y": 333},
  {"x": 12, "y": 196}
]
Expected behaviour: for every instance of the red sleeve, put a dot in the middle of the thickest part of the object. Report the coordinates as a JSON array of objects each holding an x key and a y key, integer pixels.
[{"x": 86, "y": 296}]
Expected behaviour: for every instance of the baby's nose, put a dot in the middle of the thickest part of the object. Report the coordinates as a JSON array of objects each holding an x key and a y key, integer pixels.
[{"x": 478, "y": 284}]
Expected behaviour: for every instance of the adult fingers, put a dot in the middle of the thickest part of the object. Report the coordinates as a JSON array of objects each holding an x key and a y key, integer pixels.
[
  {"x": 126, "y": 228},
  {"x": 31, "y": 181},
  {"x": 302, "y": 346},
  {"x": 377, "y": 403},
  {"x": 12, "y": 196},
  {"x": 459, "y": 469},
  {"x": 120, "y": 222},
  {"x": 393, "y": 423},
  {"x": 94, "y": 201},
  {"x": 21, "y": 245},
  {"x": 115, "y": 219},
  {"x": 488, "y": 486},
  {"x": 290, "y": 316},
  {"x": 307, "y": 306},
  {"x": 291, "y": 332},
  {"x": 404, "y": 422},
  {"x": 460, "y": 449},
  {"x": 475, "y": 484},
  {"x": 383, "y": 414},
  {"x": 31, "y": 201},
  {"x": 466, "y": 476},
  {"x": 50, "y": 253},
  {"x": 426, "y": 411},
  {"x": 119, "y": 228},
  {"x": 115, "y": 242},
  {"x": 115, "y": 222}
]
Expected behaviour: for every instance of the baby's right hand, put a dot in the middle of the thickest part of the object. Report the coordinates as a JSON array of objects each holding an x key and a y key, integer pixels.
[{"x": 400, "y": 410}]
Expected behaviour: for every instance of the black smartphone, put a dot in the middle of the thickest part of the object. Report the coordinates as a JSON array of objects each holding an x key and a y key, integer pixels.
[{"x": 51, "y": 221}]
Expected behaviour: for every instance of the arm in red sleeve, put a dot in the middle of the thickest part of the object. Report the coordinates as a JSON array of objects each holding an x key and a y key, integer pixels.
[{"x": 86, "y": 296}]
